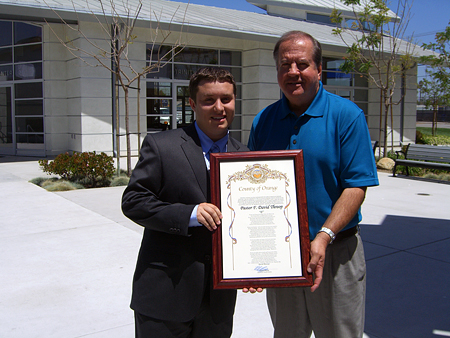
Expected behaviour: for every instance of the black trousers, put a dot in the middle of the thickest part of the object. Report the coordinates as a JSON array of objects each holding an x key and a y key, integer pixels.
[{"x": 202, "y": 326}]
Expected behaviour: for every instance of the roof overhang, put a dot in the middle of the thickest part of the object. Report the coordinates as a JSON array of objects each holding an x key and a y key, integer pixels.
[{"x": 175, "y": 16}]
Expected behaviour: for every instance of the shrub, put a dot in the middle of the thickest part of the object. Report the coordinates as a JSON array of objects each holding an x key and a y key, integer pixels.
[
  {"x": 442, "y": 136},
  {"x": 420, "y": 139},
  {"x": 431, "y": 176},
  {"x": 38, "y": 180},
  {"x": 88, "y": 183},
  {"x": 393, "y": 155},
  {"x": 437, "y": 176},
  {"x": 444, "y": 177},
  {"x": 436, "y": 140},
  {"x": 122, "y": 172},
  {"x": 45, "y": 184},
  {"x": 58, "y": 186},
  {"x": 120, "y": 181},
  {"x": 88, "y": 168}
]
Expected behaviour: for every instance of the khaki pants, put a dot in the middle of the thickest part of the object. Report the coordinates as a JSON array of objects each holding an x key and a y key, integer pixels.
[{"x": 336, "y": 309}]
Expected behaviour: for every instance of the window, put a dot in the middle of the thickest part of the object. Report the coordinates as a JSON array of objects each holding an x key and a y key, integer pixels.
[
  {"x": 159, "y": 105},
  {"x": 167, "y": 84},
  {"x": 25, "y": 33},
  {"x": 6, "y": 73},
  {"x": 20, "y": 51},
  {"x": 5, "y": 55},
  {"x": 354, "y": 24},
  {"x": 333, "y": 76},
  {"x": 21, "y": 66},
  {"x": 188, "y": 60},
  {"x": 350, "y": 86},
  {"x": 6, "y": 36},
  {"x": 319, "y": 18},
  {"x": 28, "y": 90}
]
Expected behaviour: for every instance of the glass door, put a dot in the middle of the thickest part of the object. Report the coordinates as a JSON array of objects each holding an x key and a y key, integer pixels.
[
  {"x": 184, "y": 114},
  {"x": 168, "y": 106},
  {"x": 6, "y": 122}
]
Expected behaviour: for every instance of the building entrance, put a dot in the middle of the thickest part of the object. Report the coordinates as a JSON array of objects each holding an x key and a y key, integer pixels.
[
  {"x": 7, "y": 146},
  {"x": 185, "y": 114}
]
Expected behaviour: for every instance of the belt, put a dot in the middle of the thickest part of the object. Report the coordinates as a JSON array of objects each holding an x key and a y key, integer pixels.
[{"x": 346, "y": 233}]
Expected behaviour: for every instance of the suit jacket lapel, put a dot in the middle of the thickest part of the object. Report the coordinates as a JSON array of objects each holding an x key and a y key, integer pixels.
[
  {"x": 232, "y": 145},
  {"x": 193, "y": 150},
  {"x": 194, "y": 154}
]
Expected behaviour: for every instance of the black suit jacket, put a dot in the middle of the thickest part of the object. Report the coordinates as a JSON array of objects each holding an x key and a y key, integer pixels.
[{"x": 173, "y": 271}]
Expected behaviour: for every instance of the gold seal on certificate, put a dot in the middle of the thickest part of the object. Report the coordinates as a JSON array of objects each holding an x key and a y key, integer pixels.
[{"x": 264, "y": 239}]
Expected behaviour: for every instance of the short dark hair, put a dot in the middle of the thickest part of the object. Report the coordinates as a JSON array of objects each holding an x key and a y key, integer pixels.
[
  {"x": 296, "y": 35},
  {"x": 210, "y": 74}
]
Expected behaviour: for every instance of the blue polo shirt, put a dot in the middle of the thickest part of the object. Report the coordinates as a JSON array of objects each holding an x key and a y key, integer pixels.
[{"x": 336, "y": 146}]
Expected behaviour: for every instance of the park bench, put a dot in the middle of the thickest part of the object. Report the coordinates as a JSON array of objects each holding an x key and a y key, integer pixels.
[
  {"x": 374, "y": 146},
  {"x": 424, "y": 156}
]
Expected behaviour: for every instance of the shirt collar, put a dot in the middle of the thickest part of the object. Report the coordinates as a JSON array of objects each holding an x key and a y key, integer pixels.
[
  {"x": 206, "y": 142},
  {"x": 313, "y": 109}
]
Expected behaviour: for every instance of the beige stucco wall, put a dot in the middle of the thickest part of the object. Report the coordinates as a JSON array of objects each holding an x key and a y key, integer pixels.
[
  {"x": 77, "y": 93},
  {"x": 56, "y": 121},
  {"x": 78, "y": 97},
  {"x": 260, "y": 86}
]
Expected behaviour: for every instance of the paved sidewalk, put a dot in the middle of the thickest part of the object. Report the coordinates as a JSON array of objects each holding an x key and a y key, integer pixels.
[
  {"x": 67, "y": 260},
  {"x": 429, "y": 124}
]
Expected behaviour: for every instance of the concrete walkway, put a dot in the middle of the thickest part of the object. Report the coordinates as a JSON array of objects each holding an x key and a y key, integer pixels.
[
  {"x": 445, "y": 125},
  {"x": 67, "y": 261}
]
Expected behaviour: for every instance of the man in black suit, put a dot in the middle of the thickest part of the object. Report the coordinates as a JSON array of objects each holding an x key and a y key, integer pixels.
[{"x": 169, "y": 195}]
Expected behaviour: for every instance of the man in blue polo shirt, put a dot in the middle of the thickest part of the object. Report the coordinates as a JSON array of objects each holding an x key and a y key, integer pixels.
[{"x": 339, "y": 165}]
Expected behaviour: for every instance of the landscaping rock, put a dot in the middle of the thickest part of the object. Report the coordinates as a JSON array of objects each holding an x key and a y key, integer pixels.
[{"x": 386, "y": 163}]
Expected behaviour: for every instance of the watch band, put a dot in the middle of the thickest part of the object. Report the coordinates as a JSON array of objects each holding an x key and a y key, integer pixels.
[{"x": 329, "y": 232}]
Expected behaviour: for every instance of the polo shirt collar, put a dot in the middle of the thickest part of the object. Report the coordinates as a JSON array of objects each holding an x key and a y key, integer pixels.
[{"x": 315, "y": 109}]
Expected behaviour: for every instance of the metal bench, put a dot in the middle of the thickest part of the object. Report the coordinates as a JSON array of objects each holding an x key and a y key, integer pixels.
[
  {"x": 424, "y": 156},
  {"x": 374, "y": 146}
]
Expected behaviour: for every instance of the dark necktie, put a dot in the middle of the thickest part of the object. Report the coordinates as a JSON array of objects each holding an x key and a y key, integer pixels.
[{"x": 214, "y": 149}]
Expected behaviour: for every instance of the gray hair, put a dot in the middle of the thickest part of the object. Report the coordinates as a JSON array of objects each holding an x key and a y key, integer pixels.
[{"x": 297, "y": 35}]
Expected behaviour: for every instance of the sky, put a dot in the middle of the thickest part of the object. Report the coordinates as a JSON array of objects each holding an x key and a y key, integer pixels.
[{"x": 427, "y": 16}]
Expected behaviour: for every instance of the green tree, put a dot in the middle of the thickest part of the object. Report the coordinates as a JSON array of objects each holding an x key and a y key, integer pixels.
[
  {"x": 435, "y": 88},
  {"x": 376, "y": 50}
]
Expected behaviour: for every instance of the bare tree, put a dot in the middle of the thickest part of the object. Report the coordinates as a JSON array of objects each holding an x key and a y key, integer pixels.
[
  {"x": 376, "y": 50},
  {"x": 117, "y": 22}
]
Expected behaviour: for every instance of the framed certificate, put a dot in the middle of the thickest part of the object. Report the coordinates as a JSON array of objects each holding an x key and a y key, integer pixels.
[{"x": 263, "y": 240}]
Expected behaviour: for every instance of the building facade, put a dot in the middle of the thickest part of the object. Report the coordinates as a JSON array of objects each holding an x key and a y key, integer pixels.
[{"x": 56, "y": 98}]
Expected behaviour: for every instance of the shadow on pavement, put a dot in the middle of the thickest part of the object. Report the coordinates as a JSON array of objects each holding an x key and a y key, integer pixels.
[{"x": 408, "y": 277}]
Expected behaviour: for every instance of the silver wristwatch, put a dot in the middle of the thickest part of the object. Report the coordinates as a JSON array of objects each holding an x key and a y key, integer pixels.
[{"x": 329, "y": 233}]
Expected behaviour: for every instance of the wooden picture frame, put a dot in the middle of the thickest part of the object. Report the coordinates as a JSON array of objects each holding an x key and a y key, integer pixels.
[{"x": 263, "y": 240}]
